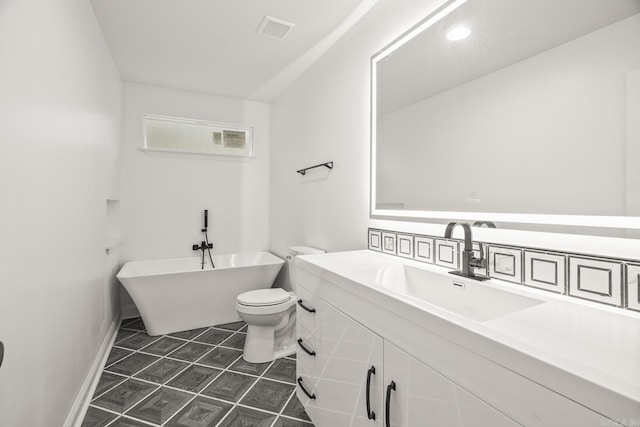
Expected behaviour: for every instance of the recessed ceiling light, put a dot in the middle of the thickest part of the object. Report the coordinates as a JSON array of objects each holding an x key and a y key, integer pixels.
[{"x": 458, "y": 33}]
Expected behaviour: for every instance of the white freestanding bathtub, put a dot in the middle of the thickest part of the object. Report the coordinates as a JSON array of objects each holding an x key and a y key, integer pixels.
[{"x": 176, "y": 294}]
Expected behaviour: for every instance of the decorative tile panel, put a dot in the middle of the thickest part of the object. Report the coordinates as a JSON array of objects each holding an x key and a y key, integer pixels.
[
  {"x": 220, "y": 357},
  {"x": 188, "y": 335},
  {"x": 505, "y": 264},
  {"x": 96, "y": 417},
  {"x": 201, "y": 412},
  {"x": 295, "y": 409},
  {"x": 405, "y": 245},
  {"x": 572, "y": 274},
  {"x": 194, "y": 378},
  {"x": 229, "y": 386},
  {"x": 282, "y": 370},
  {"x": 108, "y": 381},
  {"x": 124, "y": 396},
  {"x": 132, "y": 364},
  {"x": 446, "y": 253},
  {"x": 213, "y": 336},
  {"x": 163, "y": 346},
  {"x": 117, "y": 354},
  {"x": 375, "y": 240},
  {"x": 389, "y": 243},
  {"x": 233, "y": 326},
  {"x": 160, "y": 405},
  {"x": 545, "y": 271},
  {"x": 162, "y": 371},
  {"x": 633, "y": 286},
  {"x": 268, "y": 395},
  {"x": 241, "y": 416},
  {"x": 595, "y": 280},
  {"x": 191, "y": 351},
  {"x": 235, "y": 341},
  {"x": 424, "y": 249},
  {"x": 245, "y": 367},
  {"x": 137, "y": 341}
]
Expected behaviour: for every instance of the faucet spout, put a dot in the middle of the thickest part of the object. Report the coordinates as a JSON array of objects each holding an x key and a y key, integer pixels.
[
  {"x": 469, "y": 261},
  {"x": 448, "y": 232}
]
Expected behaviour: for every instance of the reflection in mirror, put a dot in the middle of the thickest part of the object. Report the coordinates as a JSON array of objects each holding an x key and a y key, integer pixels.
[{"x": 511, "y": 107}]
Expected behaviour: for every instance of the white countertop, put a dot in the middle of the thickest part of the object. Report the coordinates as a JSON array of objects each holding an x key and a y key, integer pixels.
[{"x": 593, "y": 342}]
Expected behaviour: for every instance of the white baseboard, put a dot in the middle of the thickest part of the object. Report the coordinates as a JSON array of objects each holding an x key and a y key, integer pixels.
[{"x": 81, "y": 402}]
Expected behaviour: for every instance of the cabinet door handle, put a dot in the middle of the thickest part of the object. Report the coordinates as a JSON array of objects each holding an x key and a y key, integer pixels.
[
  {"x": 370, "y": 414},
  {"x": 309, "y": 395},
  {"x": 305, "y": 349},
  {"x": 390, "y": 387},
  {"x": 310, "y": 310}
]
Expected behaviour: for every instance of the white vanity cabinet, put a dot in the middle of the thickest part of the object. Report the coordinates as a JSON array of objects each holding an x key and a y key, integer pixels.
[
  {"x": 447, "y": 371},
  {"x": 343, "y": 361},
  {"x": 333, "y": 383},
  {"x": 419, "y": 396}
]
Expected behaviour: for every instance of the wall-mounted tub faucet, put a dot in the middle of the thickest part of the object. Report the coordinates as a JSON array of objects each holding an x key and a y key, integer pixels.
[
  {"x": 469, "y": 262},
  {"x": 205, "y": 245}
]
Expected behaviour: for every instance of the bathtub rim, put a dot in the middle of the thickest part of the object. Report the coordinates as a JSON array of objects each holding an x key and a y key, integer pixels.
[{"x": 123, "y": 273}]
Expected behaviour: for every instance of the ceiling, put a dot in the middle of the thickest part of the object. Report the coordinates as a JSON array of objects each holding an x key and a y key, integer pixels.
[
  {"x": 504, "y": 32},
  {"x": 211, "y": 46}
]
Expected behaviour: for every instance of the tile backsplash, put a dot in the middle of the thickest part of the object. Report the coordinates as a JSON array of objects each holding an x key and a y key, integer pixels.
[{"x": 610, "y": 281}]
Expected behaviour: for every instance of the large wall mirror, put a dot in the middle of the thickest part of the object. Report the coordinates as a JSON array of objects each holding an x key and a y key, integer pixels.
[{"x": 517, "y": 111}]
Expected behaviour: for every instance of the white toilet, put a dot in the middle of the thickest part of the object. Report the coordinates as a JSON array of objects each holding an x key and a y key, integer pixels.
[{"x": 271, "y": 316}]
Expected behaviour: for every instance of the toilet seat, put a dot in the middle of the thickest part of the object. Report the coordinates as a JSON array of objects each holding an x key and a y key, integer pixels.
[
  {"x": 265, "y": 303},
  {"x": 263, "y": 297}
]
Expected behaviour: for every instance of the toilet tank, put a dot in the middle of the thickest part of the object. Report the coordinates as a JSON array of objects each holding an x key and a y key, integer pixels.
[{"x": 294, "y": 251}]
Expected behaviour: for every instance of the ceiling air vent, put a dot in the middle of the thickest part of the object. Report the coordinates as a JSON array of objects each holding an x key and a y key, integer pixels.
[{"x": 274, "y": 27}]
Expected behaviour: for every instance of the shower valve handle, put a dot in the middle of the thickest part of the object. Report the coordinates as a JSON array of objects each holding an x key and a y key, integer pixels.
[{"x": 203, "y": 246}]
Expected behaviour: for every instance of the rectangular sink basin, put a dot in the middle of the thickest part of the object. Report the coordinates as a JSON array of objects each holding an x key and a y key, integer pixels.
[{"x": 465, "y": 297}]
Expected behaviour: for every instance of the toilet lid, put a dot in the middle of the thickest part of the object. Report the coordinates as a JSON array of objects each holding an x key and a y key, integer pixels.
[{"x": 263, "y": 297}]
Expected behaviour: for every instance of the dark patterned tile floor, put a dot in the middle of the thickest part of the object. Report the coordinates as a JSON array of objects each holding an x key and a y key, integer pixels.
[{"x": 192, "y": 379}]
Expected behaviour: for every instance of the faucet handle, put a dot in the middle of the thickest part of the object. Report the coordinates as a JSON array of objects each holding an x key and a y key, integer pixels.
[{"x": 480, "y": 262}]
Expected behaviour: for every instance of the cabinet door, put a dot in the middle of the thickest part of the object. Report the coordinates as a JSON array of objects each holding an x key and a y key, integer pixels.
[
  {"x": 422, "y": 397},
  {"x": 347, "y": 352}
]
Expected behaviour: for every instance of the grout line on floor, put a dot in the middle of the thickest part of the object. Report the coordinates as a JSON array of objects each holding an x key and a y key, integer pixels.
[{"x": 197, "y": 362}]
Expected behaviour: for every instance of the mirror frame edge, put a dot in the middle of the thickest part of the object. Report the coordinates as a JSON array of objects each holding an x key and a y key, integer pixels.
[{"x": 593, "y": 221}]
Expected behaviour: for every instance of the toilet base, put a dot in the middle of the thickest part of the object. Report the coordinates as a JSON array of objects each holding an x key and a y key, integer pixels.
[
  {"x": 286, "y": 351},
  {"x": 271, "y": 332},
  {"x": 258, "y": 346}
]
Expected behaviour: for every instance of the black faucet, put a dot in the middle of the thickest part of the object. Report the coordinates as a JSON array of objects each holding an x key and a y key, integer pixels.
[
  {"x": 469, "y": 262},
  {"x": 203, "y": 247}
]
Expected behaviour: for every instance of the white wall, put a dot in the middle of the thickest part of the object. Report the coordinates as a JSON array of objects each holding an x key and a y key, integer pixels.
[
  {"x": 163, "y": 196},
  {"x": 325, "y": 116},
  {"x": 60, "y": 129}
]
